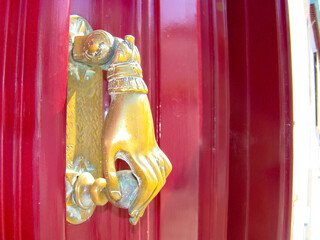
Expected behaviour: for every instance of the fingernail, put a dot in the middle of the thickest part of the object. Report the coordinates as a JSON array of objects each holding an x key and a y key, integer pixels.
[
  {"x": 116, "y": 195},
  {"x": 133, "y": 221},
  {"x": 133, "y": 214}
]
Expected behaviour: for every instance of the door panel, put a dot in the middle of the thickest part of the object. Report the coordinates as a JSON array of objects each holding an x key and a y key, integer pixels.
[
  {"x": 32, "y": 133},
  {"x": 195, "y": 111},
  {"x": 261, "y": 120},
  {"x": 186, "y": 48},
  {"x": 169, "y": 37}
]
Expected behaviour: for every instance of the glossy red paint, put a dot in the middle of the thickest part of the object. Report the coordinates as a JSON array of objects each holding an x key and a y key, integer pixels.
[
  {"x": 260, "y": 120},
  {"x": 183, "y": 97},
  {"x": 33, "y": 92},
  {"x": 200, "y": 115},
  {"x": 189, "y": 49},
  {"x": 183, "y": 105}
]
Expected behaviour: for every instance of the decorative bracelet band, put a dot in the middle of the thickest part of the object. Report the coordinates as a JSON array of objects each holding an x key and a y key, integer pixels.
[
  {"x": 124, "y": 69},
  {"x": 127, "y": 84}
]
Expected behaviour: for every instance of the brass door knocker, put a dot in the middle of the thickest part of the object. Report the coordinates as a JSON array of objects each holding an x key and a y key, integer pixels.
[{"x": 127, "y": 132}]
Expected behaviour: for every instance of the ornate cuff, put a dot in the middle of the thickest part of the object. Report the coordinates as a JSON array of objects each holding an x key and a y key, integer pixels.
[{"x": 127, "y": 84}]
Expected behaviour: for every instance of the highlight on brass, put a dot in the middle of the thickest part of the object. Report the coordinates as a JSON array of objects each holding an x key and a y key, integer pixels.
[{"x": 127, "y": 132}]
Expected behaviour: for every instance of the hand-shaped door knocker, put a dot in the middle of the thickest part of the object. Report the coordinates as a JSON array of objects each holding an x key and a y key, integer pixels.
[{"x": 127, "y": 132}]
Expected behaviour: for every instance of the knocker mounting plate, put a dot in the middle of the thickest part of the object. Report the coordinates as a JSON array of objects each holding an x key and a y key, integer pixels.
[{"x": 84, "y": 123}]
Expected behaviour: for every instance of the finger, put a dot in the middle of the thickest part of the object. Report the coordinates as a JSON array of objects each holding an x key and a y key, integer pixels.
[
  {"x": 167, "y": 163},
  {"x": 161, "y": 167},
  {"x": 134, "y": 220},
  {"x": 137, "y": 210},
  {"x": 147, "y": 184},
  {"x": 113, "y": 186},
  {"x": 154, "y": 161}
]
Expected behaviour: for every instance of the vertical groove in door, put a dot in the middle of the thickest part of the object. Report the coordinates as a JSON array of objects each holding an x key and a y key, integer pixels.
[
  {"x": 4, "y": 18},
  {"x": 261, "y": 120},
  {"x": 18, "y": 106},
  {"x": 11, "y": 120},
  {"x": 51, "y": 71},
  {"x": 239, "y": 120},
  {"x": 154, "y": 41},
  {"x": 286, "y": 118},
  {"x": 215, "y": 113}
]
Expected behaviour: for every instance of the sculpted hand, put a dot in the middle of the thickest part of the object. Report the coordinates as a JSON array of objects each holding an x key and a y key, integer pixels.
[{"x": 128, "y": 134}]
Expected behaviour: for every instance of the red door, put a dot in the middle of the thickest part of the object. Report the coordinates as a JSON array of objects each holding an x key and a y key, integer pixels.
[{"x": 219, "y": 84}]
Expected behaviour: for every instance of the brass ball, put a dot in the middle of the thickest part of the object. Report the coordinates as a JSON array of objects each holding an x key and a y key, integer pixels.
[
  {"x": 94, "y": 44},
  {"x": 97, "y": 46}
]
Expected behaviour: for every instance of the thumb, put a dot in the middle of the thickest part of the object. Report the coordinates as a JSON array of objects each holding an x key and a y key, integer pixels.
[{"x": 113, "y": 187}]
